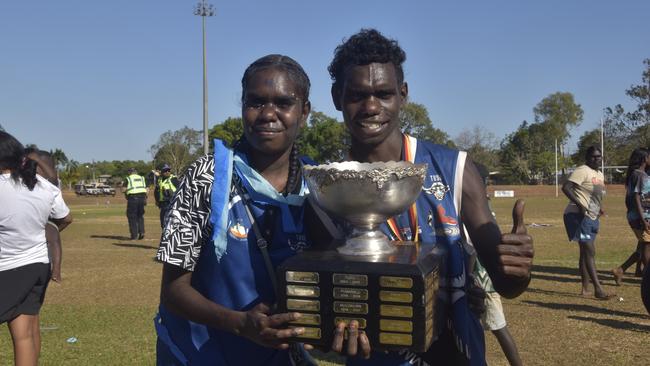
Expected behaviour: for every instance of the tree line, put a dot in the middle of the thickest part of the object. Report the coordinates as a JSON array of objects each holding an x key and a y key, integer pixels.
[{"x": 525, "y": 156}]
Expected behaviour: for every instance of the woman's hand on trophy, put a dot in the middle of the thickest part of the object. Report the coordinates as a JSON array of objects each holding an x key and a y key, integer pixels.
[
  {"x": 357, "y": 340},
  {"x": 268, "y": 330}
]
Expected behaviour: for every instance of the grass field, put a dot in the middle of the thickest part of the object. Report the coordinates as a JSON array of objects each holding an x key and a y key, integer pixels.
[{"x": 110, "y": 291}]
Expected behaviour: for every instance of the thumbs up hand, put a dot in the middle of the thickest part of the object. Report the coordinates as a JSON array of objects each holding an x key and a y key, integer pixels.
[{"x": 516, "y": 248}]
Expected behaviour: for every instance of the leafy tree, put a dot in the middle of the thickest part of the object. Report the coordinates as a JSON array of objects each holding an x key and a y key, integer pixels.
[
  {"x": 229, "y": 131},
  {"x": 481, "y": 146},
  {"x": 414, "y": 120},
  {"x": 324, "y": 139},
  {"x": 559, "y": 112},
  {"x": 177, "y": 148},
  {"x": 59, "y": 157},
  {"x": 625, "y": 131}
]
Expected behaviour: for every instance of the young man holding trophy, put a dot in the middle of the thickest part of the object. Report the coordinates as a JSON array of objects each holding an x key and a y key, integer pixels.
[{"x": 369, "y": 89}]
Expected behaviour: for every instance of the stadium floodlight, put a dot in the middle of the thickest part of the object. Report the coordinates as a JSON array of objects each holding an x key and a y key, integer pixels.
[{"x": 203, "y": 10}]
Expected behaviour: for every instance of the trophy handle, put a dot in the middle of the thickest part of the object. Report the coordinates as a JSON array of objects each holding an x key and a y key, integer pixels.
[{"x": 366, "y": 241}]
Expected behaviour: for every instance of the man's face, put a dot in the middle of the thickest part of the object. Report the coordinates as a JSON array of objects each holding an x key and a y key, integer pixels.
[
  {"x": 166, "y": 173},
  {"x": 594, "y": 160},
  {"x": 370, "y": 98}
]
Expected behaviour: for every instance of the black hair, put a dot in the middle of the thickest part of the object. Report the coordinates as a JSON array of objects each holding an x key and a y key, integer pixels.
[
  {"x": 363, "y": 48},
  {"x": 284, "y": 63},
  {"x": 592, "y": 149},
  {"x": 298, "y": 75},
  {"x": 49, "y": 171},
  {"x": 637, "y": 158},
  {"x": 13, "y": 158}
]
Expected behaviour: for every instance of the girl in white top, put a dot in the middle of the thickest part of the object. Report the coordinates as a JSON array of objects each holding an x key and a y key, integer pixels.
[{"x": 27, "y": 201}]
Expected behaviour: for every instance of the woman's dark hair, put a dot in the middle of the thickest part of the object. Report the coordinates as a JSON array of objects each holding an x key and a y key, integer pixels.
[
  {"x": 298, "y": 75},
  {"x": 284, "y": 63},
  {"x": 364, "y": 48},
  {"x": 637, "y": 158},
  {"x": 13, "y": 158}
]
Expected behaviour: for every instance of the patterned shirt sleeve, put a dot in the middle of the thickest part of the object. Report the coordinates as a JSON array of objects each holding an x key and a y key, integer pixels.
[{"x": 188, "y": 226}]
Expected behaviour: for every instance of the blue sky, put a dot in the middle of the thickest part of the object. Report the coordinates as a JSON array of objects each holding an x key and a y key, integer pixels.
[{"x": 103, "y": 80}]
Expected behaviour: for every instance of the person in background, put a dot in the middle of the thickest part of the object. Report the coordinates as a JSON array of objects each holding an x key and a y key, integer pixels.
[
  {"x": 136, "y": 198},
  {"x": 585, "y": 189},
  {"x": 637, "y": 202},
  {"x": 47, "y": 169},
  {"x": 166, "y": 185},
  {"x": 28, "y": 201}
]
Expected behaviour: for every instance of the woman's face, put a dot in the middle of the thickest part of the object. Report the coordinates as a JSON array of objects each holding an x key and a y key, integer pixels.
[{"x": 273, "y": 111}]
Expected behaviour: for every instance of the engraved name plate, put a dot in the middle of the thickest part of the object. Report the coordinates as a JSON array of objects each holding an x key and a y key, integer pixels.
[
  {"x": 350, "y": 307},
  {"x": 346, "y": 293},
  {"x": 396, "y": 296},
  {"x": 302, "y": 277},
  {"x": 303, "y": 305},
  {"x": 391, "y": 325},
  {"x": 307, "y": 319},
  {"x": 303, "y": 291},
  {"x": 395, "y": 282},
  {"x": 395, "y": 338},
  {"x": 398, "y": 311},
  {"x": 346, "y": 279}
]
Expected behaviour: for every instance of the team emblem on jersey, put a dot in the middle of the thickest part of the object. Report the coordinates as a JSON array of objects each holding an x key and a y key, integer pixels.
[
  {"x": 298, "y": 243},
  {"x": 450, "y": 226},
  {"x": 437, "y": 187},
  {"x": 238, "y": 230}
]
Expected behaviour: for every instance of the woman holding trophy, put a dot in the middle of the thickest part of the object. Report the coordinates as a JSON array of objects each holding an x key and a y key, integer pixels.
[{"x": 235, "y": 216}]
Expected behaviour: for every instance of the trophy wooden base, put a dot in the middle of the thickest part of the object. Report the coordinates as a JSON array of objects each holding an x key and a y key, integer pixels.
[{"x": 392, "y": 296}]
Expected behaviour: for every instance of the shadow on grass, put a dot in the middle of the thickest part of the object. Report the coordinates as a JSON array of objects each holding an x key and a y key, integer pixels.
[
  {"x": 553, "y": 293},
  {"x": 544, "y": 277},
  {"x": 547, "y": 273},
  {"x": 586, "y": 308},
  {"x": 114, "y": 237},
  {"x": 616, "y": 324},
  {"x": 139, "y": 246}
]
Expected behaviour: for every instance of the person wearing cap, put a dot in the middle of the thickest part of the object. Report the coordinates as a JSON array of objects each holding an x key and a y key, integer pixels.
[
  {"x": 164, "y": 191},
  {"x": 136, "y": 199}
]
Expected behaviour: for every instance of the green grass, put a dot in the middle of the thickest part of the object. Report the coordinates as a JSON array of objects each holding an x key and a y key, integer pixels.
[{"x": 111, "y": 286}]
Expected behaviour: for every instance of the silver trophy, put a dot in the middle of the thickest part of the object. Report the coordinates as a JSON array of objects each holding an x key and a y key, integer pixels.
[
  {"x": 365, "y": 195},
  {"x": 389, "y": 288}
]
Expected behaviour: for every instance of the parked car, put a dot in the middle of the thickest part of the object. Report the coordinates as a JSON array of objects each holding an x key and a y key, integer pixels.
[{"x": 97, "y": 189}]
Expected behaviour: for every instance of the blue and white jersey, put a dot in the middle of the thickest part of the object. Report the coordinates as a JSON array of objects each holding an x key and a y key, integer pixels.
[
  {"x": 438, "y": 221},
  {"x": 238, "y": 280}
]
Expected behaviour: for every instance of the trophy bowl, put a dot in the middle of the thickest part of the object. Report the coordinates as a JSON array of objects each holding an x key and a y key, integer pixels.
[{"x": 365, "y": 195}]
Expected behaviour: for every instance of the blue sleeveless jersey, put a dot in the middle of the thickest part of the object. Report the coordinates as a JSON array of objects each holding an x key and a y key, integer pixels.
[
  {"x": 439, "y": 222},
  {"x": 238, "y": 281}
]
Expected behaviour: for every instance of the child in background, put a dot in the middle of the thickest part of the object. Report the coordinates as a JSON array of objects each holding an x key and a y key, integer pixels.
[{"x": 46, "y": 169}]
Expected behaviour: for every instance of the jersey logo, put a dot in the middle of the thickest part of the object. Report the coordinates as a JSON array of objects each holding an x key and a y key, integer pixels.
[
  {"x": 298, "y": 244},
  {"x": 238, "y": 231},
  {"x": 437, "y": 187}
]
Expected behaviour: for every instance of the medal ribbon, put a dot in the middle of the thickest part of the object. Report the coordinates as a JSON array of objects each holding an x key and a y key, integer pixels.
[{"x": 409, "y": 156}]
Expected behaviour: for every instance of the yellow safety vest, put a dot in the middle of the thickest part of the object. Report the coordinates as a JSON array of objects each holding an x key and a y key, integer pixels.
[
  {"x": 136, "y": 184},
  {"x": 164, "y": 186}
]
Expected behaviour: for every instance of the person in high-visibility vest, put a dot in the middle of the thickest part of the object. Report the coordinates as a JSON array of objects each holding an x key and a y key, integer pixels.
[
  {"x": 164, "y": 191},
  {"x": 136, "y": 199}
]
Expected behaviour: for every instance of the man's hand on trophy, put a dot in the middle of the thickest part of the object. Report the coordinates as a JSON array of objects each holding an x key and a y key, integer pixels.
[
  {"x": 516, "y": 249},
  {"x": 269, "y": 330},
  {"x": 357, "y": 340}
]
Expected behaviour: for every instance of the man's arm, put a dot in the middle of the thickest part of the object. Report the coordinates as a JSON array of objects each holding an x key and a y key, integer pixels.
[
  {"x": 507, "y": 258},
  {"x": 569, "y": 188}
]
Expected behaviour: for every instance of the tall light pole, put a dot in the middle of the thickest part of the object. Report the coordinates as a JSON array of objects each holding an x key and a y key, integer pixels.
[{"x": 203, "y": 10}]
